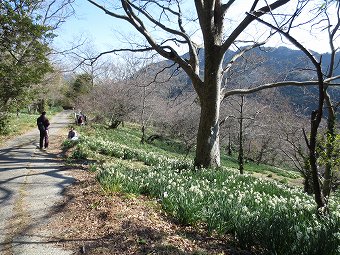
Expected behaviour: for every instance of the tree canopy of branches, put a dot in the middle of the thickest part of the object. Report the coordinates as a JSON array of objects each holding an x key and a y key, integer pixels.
[{"x": 164, "y": 27}]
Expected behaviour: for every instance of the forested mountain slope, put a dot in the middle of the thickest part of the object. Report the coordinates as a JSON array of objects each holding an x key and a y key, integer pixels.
[{"x": 261, "y": 66}]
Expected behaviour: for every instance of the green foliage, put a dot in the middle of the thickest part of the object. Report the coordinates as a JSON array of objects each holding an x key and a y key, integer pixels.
[
  {"x": 251, "y": 167},
  {"x": 124, "y": 142},
  {"x": 334, "y": 142},
  {"x": 78, "y": 87},
  {"x": 81, "y": 152},
  {"x": 4, "y": 120},
  {"x": 284, "y": 181},
  {"x": 108, "y": 142},
  {"x": 93, "y": 168},
  {"x": 16, "y": 125},
  {"x": 102, "y": 146},
  {"x": 23, "y": 51},
  {"x": 68, "y": 144},
  {"x": 82, "y": 84}
]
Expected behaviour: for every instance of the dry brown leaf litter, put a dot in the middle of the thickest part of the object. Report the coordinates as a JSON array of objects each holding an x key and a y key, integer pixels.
[{"x": 88, "y": 221}]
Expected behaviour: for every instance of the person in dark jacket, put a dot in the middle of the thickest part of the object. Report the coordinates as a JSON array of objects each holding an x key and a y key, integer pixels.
[
  {"x": 72, "y": 134},
  {"x": 43, "y": 124}
]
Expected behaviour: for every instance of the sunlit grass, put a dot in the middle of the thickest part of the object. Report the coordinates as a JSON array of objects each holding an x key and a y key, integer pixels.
[
  {"x": 283, "y": 220},
  {"x": 269, "y": 214},
  {"x": 130, "y": 135},
  {"x": 22, "y": 122},
  {"x": 18, "y": 125}
]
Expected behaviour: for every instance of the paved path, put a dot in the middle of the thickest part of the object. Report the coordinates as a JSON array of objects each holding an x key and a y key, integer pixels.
[{"x": 31, "y": 182}]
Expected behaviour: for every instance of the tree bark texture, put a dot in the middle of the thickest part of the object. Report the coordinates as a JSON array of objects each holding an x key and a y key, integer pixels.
[
  {"x": 240, "y": 153},
  {"x": 208, "y": 149},
  {"x": 318, "y": 195},
  {"x": 208, "y": 137},
  {"x": 208, "y": 140},
  {"x": 316, "y": 117}
]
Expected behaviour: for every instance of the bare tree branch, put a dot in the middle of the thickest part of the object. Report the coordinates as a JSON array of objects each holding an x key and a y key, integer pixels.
[
  {"x": 248, "y": 19},
  {"x": 290, "y": 38},
  {"x": 226, "y": 6},
  {"x": 240, "y": 54},
  {"x": 225, "y": 94},
  {"x": 191, "y": 67}
]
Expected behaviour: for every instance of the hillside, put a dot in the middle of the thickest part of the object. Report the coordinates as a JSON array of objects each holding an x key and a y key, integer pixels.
[
  {"x": 266, "y": 65},
  {"x": 171, "y": 105},
  {"x": 151, "y": 202}
]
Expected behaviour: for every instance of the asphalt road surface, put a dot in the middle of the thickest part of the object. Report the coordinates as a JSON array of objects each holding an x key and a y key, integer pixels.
[{"x": 31, "y": 182}]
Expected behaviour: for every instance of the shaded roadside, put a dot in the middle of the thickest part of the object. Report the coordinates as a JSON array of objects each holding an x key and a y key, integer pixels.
[
  {"x": 92, "y": 221},
  {"x": 31, "y": 182}
]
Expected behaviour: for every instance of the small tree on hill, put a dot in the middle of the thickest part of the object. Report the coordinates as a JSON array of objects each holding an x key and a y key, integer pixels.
[{"x": 321, "y": 190}]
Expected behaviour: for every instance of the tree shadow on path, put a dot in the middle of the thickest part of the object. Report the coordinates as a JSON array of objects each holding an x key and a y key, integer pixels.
[{"x": 31, "y": 182}]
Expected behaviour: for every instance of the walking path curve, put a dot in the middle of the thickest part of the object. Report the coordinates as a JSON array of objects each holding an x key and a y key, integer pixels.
[{"x": 31, "y": 182}]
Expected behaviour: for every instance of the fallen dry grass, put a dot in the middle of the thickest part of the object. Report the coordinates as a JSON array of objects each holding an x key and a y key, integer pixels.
[{"x": 89, "y": 221}]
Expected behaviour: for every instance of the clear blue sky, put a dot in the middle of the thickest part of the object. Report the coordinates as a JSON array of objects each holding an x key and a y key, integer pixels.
[{"x": 91, "y": 23}]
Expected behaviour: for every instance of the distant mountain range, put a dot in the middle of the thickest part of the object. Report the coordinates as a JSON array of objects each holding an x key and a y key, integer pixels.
[
  {"x": 264, "y": 65},
  {"x": 291, "y": 64}
]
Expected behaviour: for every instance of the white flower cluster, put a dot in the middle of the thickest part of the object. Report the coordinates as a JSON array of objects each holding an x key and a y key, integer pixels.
[
  {"x": 110, "y": 148},
  {"x": 254, "y": 209},
  {"x": 280, "y": 219}
]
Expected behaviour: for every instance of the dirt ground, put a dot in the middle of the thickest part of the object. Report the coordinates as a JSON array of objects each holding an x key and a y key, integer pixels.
[{"x": 88, "y": 221}]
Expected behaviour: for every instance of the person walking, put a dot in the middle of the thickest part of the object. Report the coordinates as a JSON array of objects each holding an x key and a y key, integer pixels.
[{"x": 43, "y": 124}]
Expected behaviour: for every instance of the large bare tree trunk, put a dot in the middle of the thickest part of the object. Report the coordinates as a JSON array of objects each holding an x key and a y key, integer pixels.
[
  {"x": 208, "y": 150},
  {"x": 208, "y": 137}
]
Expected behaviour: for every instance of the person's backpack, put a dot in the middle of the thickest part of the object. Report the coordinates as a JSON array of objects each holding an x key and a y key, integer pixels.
[
  {"x": 41, "y": 126},
  {"x": 80, "y": 119}
]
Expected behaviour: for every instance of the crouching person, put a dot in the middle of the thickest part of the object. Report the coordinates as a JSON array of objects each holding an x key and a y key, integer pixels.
[{"x": 72, "y": 134}]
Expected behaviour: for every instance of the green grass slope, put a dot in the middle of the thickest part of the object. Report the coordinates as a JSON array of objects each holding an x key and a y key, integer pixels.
[{"x": 258, "y": 210}]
